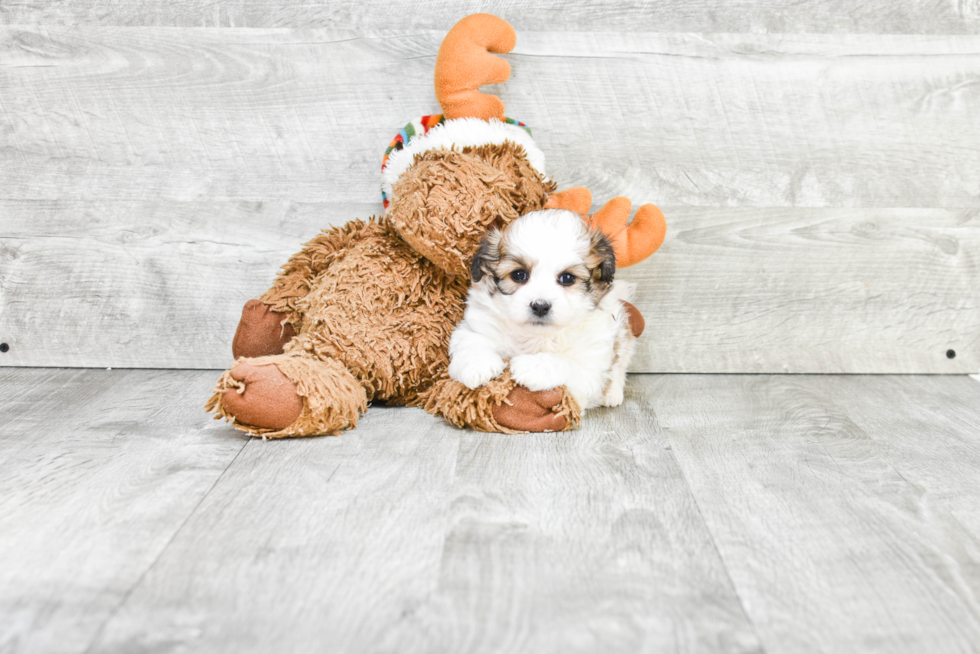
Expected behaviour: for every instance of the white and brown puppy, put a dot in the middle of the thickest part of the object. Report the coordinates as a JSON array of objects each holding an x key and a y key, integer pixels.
[{"x": 543, "y": 299}]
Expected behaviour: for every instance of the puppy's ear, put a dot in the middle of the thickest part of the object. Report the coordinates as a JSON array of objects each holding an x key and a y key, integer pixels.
[
  {"x": 602, "y": 259},
  {"x": 487, "y": 255}
]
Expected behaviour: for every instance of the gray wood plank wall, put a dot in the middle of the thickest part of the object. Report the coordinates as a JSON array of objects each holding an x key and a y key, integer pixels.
[
  {"x": 831, "y": 16},
  {"x": 820, "y": 184}
]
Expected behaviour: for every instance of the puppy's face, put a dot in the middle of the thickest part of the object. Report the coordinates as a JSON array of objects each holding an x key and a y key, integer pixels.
[{"x": 546, "y": 270}]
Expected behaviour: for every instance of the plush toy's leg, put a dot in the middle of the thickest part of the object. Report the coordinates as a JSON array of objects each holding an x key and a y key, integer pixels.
[
  {"x": 632, "y": 242},
  {"x": 289, "y": 394},
  {"x": 502, "y": 406},
  {"x": 261, "y": 331},
  {"x": 294, "y": 280}
]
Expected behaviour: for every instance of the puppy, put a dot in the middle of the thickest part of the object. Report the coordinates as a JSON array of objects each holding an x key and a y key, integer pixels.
[{"x": 543, "y": 299}]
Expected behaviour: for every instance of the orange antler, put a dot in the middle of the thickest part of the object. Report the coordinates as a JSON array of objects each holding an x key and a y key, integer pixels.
[
  {"x": 635, "y": 241},
  {"x": 464, "y": 63},
  {"x": 577, "y": 199}
]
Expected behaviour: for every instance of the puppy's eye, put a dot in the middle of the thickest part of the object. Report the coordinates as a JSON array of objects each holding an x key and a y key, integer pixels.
[
  {"x": 566, "y": 279},
  {"x": 519, "y": 276}
]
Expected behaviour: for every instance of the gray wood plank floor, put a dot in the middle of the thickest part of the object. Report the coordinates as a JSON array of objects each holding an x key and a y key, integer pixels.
[
  {"x": 98, "y": 471},
  {"x": 709, "y": 513}
]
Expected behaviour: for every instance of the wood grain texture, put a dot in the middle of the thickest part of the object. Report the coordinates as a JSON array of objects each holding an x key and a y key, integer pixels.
[
  {"x": 141, "y": 284},
  {"x": 100, "y": 113},
  {"x": 708, "y": 513},
  {"x": 316, "y": 543},
  {"x": 900, "y": 17},
  {"x": 844, "y": 508},
  {"x": 161, "y": 284},
  {"x": 410, "y": 536},
  {"x": 812, "y": 291},
  {"x": 153, "y": 179},
  {"x": 588, "y": 541},
  {"x": 98, "y": 471}
]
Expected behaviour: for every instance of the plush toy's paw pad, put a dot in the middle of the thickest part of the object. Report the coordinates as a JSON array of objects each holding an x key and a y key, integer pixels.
[
  {"x": 266, "y": 398},
  {"x": 260, "y": 332},
  {"x": 473, "y": 371},
  {"x": 535, "y": 372},
  {"x": 527, "y": 410}
]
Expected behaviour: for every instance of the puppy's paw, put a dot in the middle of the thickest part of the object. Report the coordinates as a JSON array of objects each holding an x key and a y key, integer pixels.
[
  {"x": 538, "y": 372},
  {"x": 613, "y": 395},
  {"x": 473, "y": 371}
]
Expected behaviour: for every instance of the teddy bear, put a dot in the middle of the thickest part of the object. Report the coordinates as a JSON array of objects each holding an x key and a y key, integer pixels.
[{"x": 364, "y": 312}]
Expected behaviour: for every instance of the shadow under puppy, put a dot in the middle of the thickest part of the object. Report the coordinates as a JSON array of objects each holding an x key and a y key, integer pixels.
[{"x": 544, "y": 300}]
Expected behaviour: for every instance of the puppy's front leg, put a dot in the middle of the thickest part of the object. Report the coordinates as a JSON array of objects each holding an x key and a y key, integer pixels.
[
  {"x": 542, "y": 371},
  {"x": 473, "y": 358},
  {"x": 538, "y": 372}
]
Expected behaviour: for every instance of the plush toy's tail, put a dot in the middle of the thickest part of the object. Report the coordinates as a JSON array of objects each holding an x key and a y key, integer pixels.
[{"x": 464, "y": 63}]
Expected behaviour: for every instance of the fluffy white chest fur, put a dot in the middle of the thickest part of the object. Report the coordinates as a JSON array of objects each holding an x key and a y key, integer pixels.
[{"x": 543, "y": 302}]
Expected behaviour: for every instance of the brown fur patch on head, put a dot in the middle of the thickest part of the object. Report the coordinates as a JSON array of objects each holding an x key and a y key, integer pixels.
[
  {"x": 601, "y": 262},
  {"x": 494, "y": 259},
  {"x": 444, "y": 203},
  {"x": 507, "y": 263},
  {"x": 487, "y": 256}
]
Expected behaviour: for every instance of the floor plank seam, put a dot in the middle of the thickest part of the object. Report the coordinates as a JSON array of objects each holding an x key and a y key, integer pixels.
[
  {"x": 714, "y": 545},
  {"x": 163, "y": 550}
]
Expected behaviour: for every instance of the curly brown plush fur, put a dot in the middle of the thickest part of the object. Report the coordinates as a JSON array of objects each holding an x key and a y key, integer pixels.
[
  {"x": 365, "y": 311},
  {"x": 378, "y": 307},
  {"x": 447, "y": 200},
  {"x": 373, "y": 304},
  {"x": 481, "y": 408}
]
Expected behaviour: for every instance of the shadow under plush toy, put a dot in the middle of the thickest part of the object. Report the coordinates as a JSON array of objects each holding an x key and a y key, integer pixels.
[{"x": 365, "y": 311}]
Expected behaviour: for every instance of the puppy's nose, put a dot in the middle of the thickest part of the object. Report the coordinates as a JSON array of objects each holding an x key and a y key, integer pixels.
[{"x": 540, "y": 308}]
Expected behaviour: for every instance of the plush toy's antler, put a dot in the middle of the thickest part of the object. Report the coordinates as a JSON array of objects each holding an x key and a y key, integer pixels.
[
  {"x": 464, "y": 63},
  {"x": 577, "y": 199},
  {"x": 635, "y": 241},
  {"x": 632, "y": 242}
]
